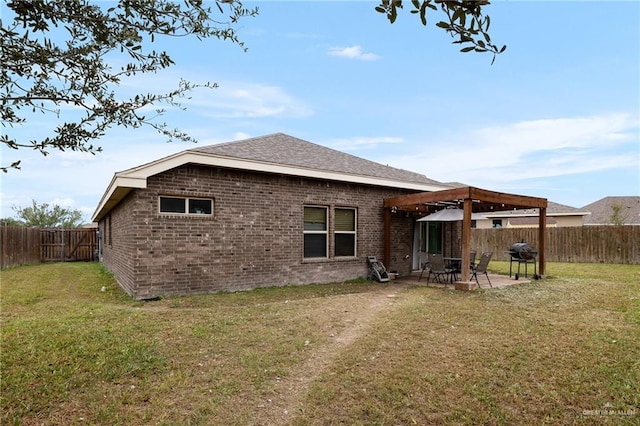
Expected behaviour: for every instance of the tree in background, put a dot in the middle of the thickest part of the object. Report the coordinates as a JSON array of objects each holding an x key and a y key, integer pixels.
[
  {"x": 465, "y": 21},
  {"x": 57, "y": 59},
  {"x": 48, "y": 216},
  {"x": 618, "y": 215},
  {"x": 9, "y": 221}
]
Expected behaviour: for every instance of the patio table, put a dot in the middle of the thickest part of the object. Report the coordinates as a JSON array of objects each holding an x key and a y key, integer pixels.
[{"x": 453, "y": 263}]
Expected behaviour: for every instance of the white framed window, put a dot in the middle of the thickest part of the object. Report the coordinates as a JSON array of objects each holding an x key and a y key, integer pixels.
[
  {"x": 345, "y": 232},
  {"x": 186, "y": 205},
  {"x": 315, "y": 232}
]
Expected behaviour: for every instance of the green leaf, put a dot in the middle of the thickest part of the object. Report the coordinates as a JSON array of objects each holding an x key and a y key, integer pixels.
[
  {"x": 443, "y": 24},
  {"x": 467, "y": 49},
  {"x": 457, "y": 14}
]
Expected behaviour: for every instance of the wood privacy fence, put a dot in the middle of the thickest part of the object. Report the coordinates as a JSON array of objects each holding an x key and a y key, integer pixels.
[
  {"x": 21, "y": 246},
  {"x": 588, "y": 244},
  {"x": 585, "y": 244}
]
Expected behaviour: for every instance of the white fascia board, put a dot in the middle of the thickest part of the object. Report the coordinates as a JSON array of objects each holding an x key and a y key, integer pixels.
[
  {"x": 200, "y": 158},
  {"x": 569, "y": 214},
  {"x": 117, "y": 189},
  {"x": 137, "y": 176}
]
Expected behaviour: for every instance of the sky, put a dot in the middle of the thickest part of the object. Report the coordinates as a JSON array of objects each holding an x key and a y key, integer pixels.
[{"x": 557, "y": 115}]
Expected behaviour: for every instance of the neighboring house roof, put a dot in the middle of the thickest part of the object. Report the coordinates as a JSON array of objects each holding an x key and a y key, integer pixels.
[
  {"x": 553, "y": 209},
  {"x": 276, "y": 153},
  {"x": 603, "y": 209}
]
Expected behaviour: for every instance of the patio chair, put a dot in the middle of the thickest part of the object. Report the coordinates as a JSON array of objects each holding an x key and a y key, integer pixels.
[
  {"x": 438, "y": 269},
  {"x": 472, "y": 258},
  {"x": 424, "y": 263},
  {"x": 481, "y": 267}
]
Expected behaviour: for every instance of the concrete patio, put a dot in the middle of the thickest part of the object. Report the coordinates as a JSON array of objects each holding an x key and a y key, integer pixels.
[{"x": 497, "y": 281}]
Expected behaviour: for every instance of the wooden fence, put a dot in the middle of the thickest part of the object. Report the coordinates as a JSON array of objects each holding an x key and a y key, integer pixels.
[
  {"x": 585, "y": 244},
  {"x": 21, "y": 246},
  {"x": 588, "y": 244}
]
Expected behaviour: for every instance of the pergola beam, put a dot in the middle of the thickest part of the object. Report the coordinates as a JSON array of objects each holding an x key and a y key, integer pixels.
[{"x": 484, "y": 200}]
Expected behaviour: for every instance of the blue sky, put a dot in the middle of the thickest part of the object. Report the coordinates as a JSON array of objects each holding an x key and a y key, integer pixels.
[{"x": 556, "y": 116}]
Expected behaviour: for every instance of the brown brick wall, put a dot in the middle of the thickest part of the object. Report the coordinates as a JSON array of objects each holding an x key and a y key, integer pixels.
[
  {"x": 117, "y": 246},
  {"x": 254, "y": 238}
]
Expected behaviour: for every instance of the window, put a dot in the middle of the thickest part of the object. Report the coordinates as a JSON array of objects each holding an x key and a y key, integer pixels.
[
  {"x": 172, "y": 205},
  {"x": 434, "y": 232},
  {"x": 497, "y": 223},
  {"x": 197, "y": 206},
  {"x": 345, "y": 232},
  {"x": 315, "y": 232},
  {"x": 181, "y": 205}
]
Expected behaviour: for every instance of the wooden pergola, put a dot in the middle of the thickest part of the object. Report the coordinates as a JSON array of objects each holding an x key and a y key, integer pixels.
[{"x": 472, "y": 200}]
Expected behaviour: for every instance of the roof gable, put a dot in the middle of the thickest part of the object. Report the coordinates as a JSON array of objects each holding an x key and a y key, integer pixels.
[{"x": 277, "y": 153}]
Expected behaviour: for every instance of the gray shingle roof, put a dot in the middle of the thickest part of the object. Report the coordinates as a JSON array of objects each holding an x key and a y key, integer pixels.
[
  {"x": 602, "y": 210},
  {"x": 283, "y": 149}
]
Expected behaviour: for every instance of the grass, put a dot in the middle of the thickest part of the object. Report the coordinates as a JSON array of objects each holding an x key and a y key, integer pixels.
[{"x": 563, "y": 350}]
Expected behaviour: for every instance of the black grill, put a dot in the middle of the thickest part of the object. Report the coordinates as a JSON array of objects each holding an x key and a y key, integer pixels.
[{"x": 522, "y": 251}]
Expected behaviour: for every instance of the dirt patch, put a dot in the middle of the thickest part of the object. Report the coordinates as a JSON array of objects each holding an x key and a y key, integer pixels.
[{"x": 356, "y": 311}]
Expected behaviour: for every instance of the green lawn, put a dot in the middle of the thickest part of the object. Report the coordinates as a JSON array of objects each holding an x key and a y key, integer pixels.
[{"x": 562, "y": 350}]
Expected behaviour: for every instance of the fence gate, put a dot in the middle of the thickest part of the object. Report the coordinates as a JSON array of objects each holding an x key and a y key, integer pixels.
[{"x": 68, "y": 245}]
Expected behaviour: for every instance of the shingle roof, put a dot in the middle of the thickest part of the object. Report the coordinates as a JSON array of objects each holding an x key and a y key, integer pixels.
[
  {"x": 280, "y": 148},
  {"x": 602, "y": 210},
  {"x": 277, "y": 153}
]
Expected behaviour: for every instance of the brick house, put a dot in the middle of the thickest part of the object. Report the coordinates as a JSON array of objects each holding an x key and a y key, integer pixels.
[{"x": 267, "y": 211}]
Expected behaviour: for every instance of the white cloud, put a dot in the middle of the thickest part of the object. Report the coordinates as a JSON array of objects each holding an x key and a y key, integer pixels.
[
  {"x": 228, "y": 99},
  {"x": 531, "y": 149},
  {"x": 352, "y": 52},
  {"x": 238, "y": 136},
  {"x": 362, "y": 142},
  {"x": 246, "y": 100}
]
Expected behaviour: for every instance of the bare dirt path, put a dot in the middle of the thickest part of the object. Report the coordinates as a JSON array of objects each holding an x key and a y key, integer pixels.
[{"x": 357, "y": 311}]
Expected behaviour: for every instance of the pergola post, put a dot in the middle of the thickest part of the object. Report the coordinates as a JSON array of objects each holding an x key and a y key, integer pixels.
[
  {"x": 387, "y": 238},
  {"x": 542, "y": 227},
  {"x": 466, "y": 241}
]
